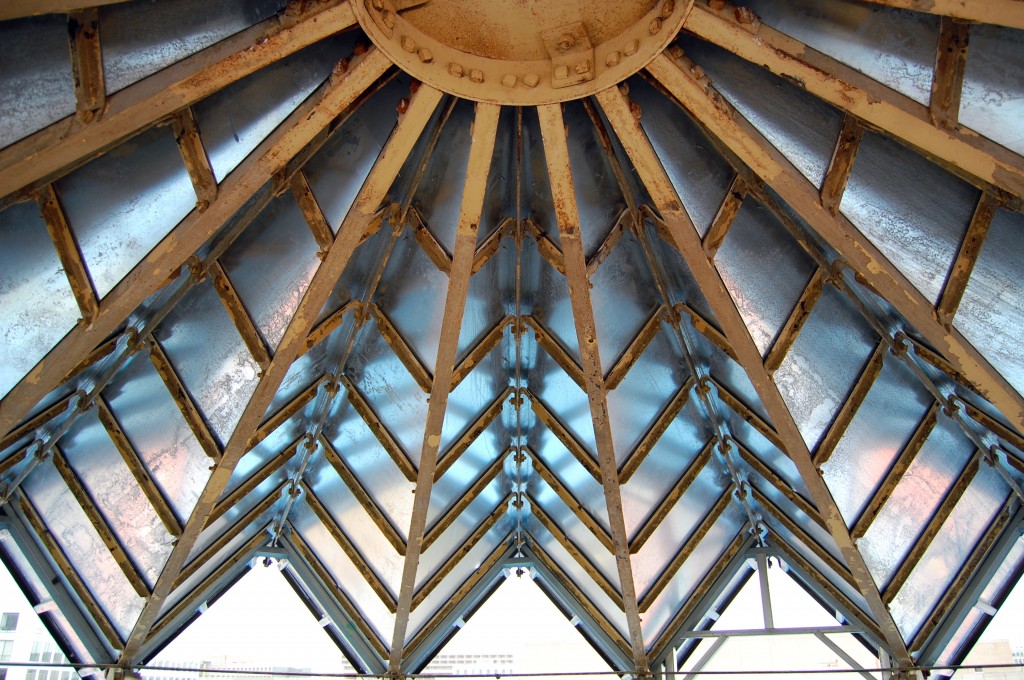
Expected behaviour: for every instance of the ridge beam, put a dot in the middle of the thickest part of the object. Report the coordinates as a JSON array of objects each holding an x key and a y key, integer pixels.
[
  {"x": 556, "y": 153},
  {"x": 481, "y": 151},
  {"x": 687, "y": 240}
]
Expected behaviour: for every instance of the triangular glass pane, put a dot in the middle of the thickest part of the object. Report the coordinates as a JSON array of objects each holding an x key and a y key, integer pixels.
[
  {"x": 258, "y": 623},
  {"x": 801, "y": 635},
  {"x": 517, "y": 630},
  {"x": 24, "y": 638}
]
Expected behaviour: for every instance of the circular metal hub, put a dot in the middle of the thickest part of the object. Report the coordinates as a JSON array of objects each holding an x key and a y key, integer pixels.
[{"x": 523, "y": 52}]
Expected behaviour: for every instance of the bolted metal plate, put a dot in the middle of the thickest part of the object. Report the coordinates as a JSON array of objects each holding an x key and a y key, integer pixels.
[{"x": 524, "y": 53}]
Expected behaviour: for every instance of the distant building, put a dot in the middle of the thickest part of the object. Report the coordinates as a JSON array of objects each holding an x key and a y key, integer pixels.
[
  {"x": 23, "y": 638},
  {"x": 997, "y": 653}
]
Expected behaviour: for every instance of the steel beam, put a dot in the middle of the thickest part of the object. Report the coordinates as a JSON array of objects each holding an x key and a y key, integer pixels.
[
  {"x": 484, "y": 131},
  {"x": 999, "y": 12},
  {"x": 68, "y": 143},
  {"x": 556, "y": 153},
  {"x": 685, "y": 236},
  {"x": 847, "y": 89},
  {"x": 166, "y": 259},
  {"x": 291, "y": 346}
]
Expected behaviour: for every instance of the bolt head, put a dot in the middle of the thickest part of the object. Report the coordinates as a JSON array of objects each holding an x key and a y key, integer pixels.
[
  {"x": 668, "y": 8},
  {"x": 476, "y": 75},
  {"x": 388, "y": 18},
  {"x": 425, "y": 55},
  {"x": 455, "y": 69},
  {"x": 561, "y": 72},
  {"x": 408, "y": 44},
  {"x": 613, "y": 58},
  {"x": 632, "y": 47},
  {"x": 655, "y": 26},
  {"x": 531, "y": 80},
  {"x": 509, "y": 80}
]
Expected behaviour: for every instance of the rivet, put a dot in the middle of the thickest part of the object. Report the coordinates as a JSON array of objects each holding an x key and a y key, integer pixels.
[
  {"x": 668, "y": 8},
  {"x": 531, "y": 79},
  {"x": 566, "y": 42},
  {"x": 426, "y": 56},
  {"x": 455, "y": 69},
  {"x": 582, "y": 67},
  {"x": 408, "y": 44},
  {"x": 476, "y": 75},
  {"x": 624, "y": 88},
  {"x": 655, "y": 25},
  {"x": 561, "y": 72},
  {"x": 632, "y": 47},
  {"x": 388, "y": 18},
  {"x": 675, "y": 51},
  {"x": 509, "y": 80},
  {"x": 613, "y": 58},
  {"x": 634, "y": 109}
]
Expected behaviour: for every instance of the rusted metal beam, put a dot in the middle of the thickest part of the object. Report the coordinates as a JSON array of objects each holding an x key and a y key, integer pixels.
[
  {"x": 254, "y": 480},
  {"x": 485, "y": 126},
  {"x": 87, "y": 63},
  {"x": 482, "y": 481},
  {"x": 658, "y": 428},
  {"x": 331, "y": 323},
  {"x": 687, "y": 548},
  {"x": 563, "y": 492},
  {"x": 279, "y": 417},
  {"x": 545, "y": 246},
  {"x": 429, "y": 243},
  {"x": 841, "y": 163},
  {"x": 990, "y": 423},
  {"x": 99, "y": 522},
  {"x": 660, "y": 188},
  {"x": 230, "y": 533},
  {"x": 138, "y": 469},
  {"x": 68, "y": 571},
  {"x": 554, "y": 349},
  {"x": 321, "y": 231},
  {"x": 339, "y": 595},
  {"x": 180, "y": 394},
  {"x": 481, "y": 350},
  {"x": 556, "y": 152},
  {"x": 869, "y": 265},
  {"x": 368, "y": 69},
  {"x": 379, "y": 430},
  {"x": 877, "y": 105},
  {"x": 15, "y": 9},
  {"x": 858, "y": 394},
  {"x": 563, "y": 435},
  {"x": 193, "y": 153},
  {"x": 66, "y": 144},
  {"x": 624, "y": 221},
  {"x": 489, "y": 248},
  {"x": 71, "y": 259},
  {"x": 34, "y": 423},
  {"x": 469, "y": 435},
  {"x": 636, "y": 348},
  {"x": 401, "y": 348},
  {"x": 932, "y": 528},
  {"x": 349, "y": 548},
  {"x": 460, "y": 553},
  {"x": 948, "y": 78},
  {"x": 577, "y": 553},
  {"x": 672, "y": 497},
  {"x": 725, "y": 216},
  {"x": 239, "y": 316},
  {"x": 780, "y": 485},
  {"x": 797, "y": 318},
  {"x": 966, "y": 257},
  {"x": 384, "y": 524},
  {"x": 896, "y": 471},
  {"x": 704, "y": 327},
  {"x": 167, "y": 258},
  {"x": 999, "y": 12},
  {"x": 748, "y": 414}
]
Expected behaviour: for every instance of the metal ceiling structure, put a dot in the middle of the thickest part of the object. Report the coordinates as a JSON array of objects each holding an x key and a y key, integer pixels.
[{"x": 757, "y": 293}]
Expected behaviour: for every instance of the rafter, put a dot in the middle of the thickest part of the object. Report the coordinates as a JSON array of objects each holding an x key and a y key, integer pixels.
[
  {"x": 240, "y": 492},
  {"x": 481, "y": 150},
  {"x": 481, "y": 349},
  {"x": 839, "y": 166},
  {"x": 568, "y": 439},
  {"x": 635, "y": 349},
  {"x": 448, "y": 457},
  {"x": 379, "y": 430},
  {"x": 180, "y": 394},
  {"x": 482, "y": 481},
  {"x": 68, "y": 252},
  {"x": 193, "y": 154},
  {"x": 318, "y": 226},
  {"x": 725, "y": 216},
  {"x": 687, "y": 242},
  {"x": 429, "y": 243},
  {"x": 58, "y": 148},
  {"x": 948, "y": 79},
  {"x": 857, "y": 94},
  {"x": 332, "y": 322},
  {"x": 87, "y": 63},
  {"x": 291, "y": 346},
  {"x": 656, "y": 430},
  {"x": 853, "y": 247},
  {"x": 999, "y": 12},
  {"x": 966, "y": 257},
  {"x": 563, "y": 492},
  {"x": 830, "y": 440},
  {"x": 554, "y": 348},
  {"x": 797, "y": 318},
  {"x": 401, "y": 348},
  {"x": 294, "y": 133},
  {"x": 240, "y": 316},
  {"x": 556, "y": 153}
]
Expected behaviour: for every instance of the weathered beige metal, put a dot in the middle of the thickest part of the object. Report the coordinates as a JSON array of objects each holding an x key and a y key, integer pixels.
[{"x": 521, "y": 53}]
